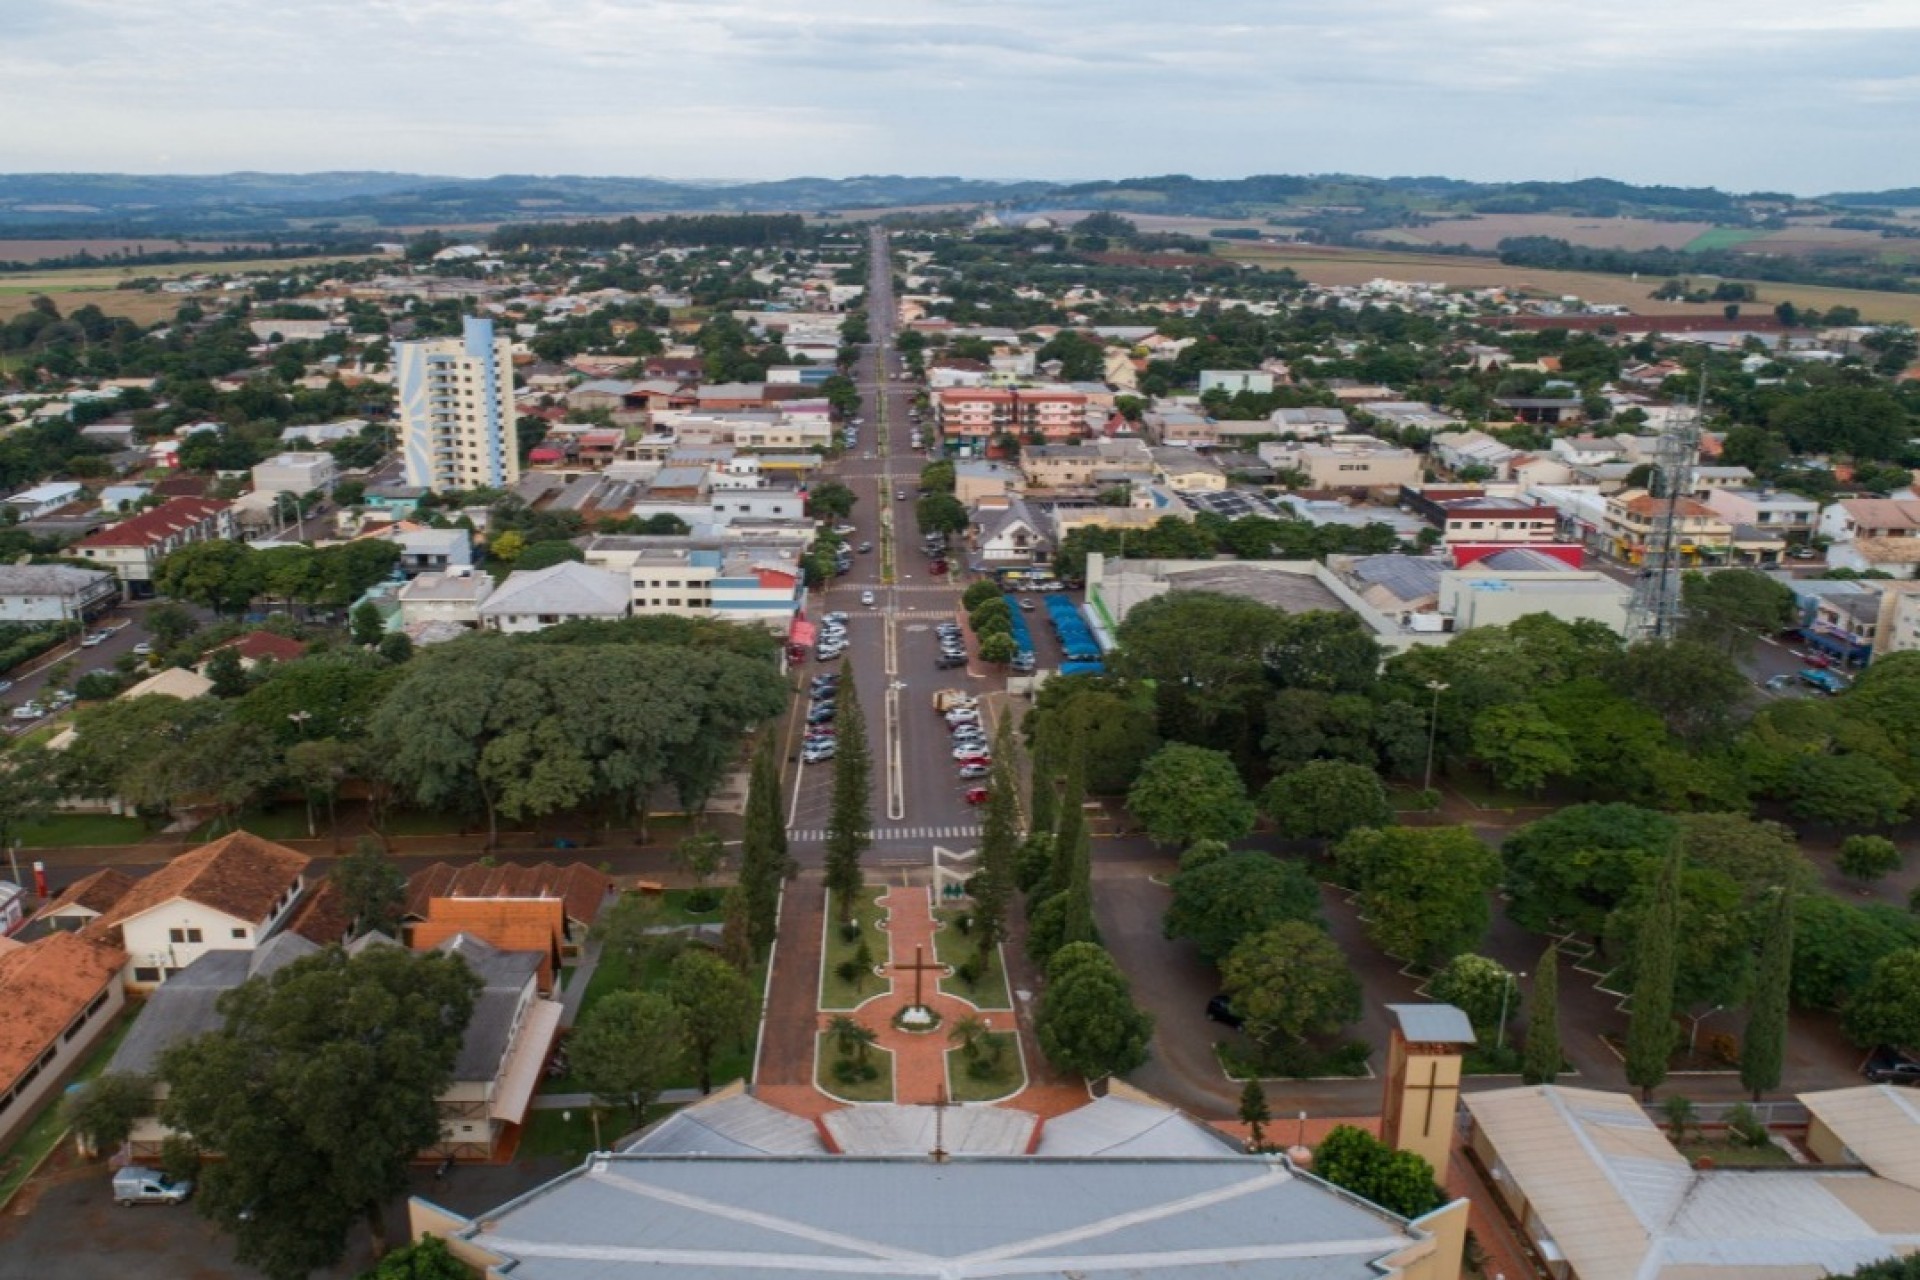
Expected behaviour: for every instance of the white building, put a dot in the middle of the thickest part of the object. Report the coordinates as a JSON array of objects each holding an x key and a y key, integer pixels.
[
  {"x": 456, "y": 410},
  {"x": 565, "y": 592},
  {"x": 54, "y": 592},
  {"x": 756, "y": 582},
  {"x": 296, "y": 473},
  {"x": 452, "y": 597},
  {"x": 44, "y": 499}
]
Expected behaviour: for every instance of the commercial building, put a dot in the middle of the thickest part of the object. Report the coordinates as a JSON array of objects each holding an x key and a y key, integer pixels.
[
  {"x": 748, "y": 581},
  {"x": 296, "y": 473},
  {"x": 456, "y": 410},
  {"x": 1345, "y": 464},
  {"x": 133, "y": 547}
]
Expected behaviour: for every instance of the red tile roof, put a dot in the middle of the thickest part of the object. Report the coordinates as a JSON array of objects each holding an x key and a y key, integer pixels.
[
  {"x": 240, "y": 874},
  {"x": 44, "y": 986},
  {"x": 322, "y": 918},
  {"x": 157, "y": 525},
  {"x": 95, "y": 893},
  {"x": 256, "y": 645},
  {"x": 583, "y": 889},
  {"x": 511, "y": 924}
]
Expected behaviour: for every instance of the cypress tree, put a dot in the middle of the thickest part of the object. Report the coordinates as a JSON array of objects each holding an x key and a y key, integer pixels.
[
  {"x": 760, "y": 870},
  {"x": 1763, "y": 1049},
  {"x": 1541, "y": 1062},
  {"x": 999, "y": 842},
  {"x": 1254, "y": 1114},
  {"x": 1072, "y": 826},
  {"x": 850, "y": 820},
  {"x": 1045, "y": 810},
  {"x": 1076, "y": 919},
  {"x": 1650, "y": 1034}
]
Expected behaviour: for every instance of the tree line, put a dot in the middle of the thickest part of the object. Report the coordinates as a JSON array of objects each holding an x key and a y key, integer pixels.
[{"x": 744, "y": 230}]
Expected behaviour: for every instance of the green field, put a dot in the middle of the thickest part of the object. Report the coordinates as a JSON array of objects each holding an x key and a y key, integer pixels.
[
  {"x": 1721, "y": 238},
  {"x": 66, "y": 830}
]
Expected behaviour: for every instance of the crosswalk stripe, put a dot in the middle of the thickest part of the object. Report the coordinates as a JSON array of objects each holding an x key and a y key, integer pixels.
[{"x": 812, "y": 834}]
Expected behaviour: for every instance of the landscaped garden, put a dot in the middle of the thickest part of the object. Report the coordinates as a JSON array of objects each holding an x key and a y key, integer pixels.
[
  {"x": 849, "y": 1064},
  {"x": 954, "y": 947},
  {"x": 852, "y": 952},
  {"x": 984, "y": 1065}
]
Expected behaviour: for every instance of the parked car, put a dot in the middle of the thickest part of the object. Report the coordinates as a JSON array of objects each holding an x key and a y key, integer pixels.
[
  {"x": 976, "y": 795},
  {"x": 29, "y": 711},
  {"x": 1887, "y": 1065},
  {"x": 835, "y": 616},
  {"x": 975, "y": 770},
  {"x": 1220, "y": 1009},
  {"x": 137, "y": 1184},
  {"x": 938, "y": 566},
  {"x": 899, "y": 495},
  {"x": 866, "y": 547},
  {"x": 5, "y": 685},
  {"x": 948, "y": 661},
  {"x": 143, "y": 648},
  {"x": 972, "y": 755},
  {"x": 1026, "y": 603},
  {"x": 817, "y": 754},
  {"x": 93, "y": 638}
]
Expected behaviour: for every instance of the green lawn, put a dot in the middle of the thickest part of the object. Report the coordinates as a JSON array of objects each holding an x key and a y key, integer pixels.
[
  {"x": 20, "y": 1159},
  {"x": 1005, "y": 1078},
  {"x": 1727, "y": 1154},
  {"x": 878, "y": 1089},
  {"x": 284, "y": 823},
  {"x": 547, "y": 1134},
  {"x": 951, "y": 947},
  {"x": 835, "y": 993},
  {"x": 64, "y": 830}
]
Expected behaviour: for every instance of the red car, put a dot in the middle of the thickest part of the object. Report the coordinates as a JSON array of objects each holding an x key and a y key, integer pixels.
[
  {"x": 938, "y": 566},
  {"x": 976, "y": 795}
]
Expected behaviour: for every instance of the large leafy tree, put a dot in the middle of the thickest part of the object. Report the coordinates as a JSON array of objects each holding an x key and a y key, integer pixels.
[
  {"x": 318, "y": 1092},
  {"x": 1729, "y": 607},
  {"x": 850, "y": 819},
  {"x": 1425, "y": 891},
  {"x": 1478, "y": 987},
  {"x": 1187, "y": 793},
  {"x": 1205, "y": 654},
  {"x": 1837, "y": 943},
  {"x": 625, "y": 1049},
  {"x": 1087, "y": 1022},
  {"x": 1326, "y": 799},
  {"x": 1694, "y": 688},
  {"x": 1220, "y": 900},
  {"x": 1887, "y": 1009},
  {"x": 1569, "y": 870},
  {"x": 716, "y": 1004},
  {"x": 1290, "y": 982},
  {"x": 1109, "y": 718},
  {"x": 1398, "y": 1181},
  {"x": 105, "y": 1111},
  {"x": 1522, "y": 746}
]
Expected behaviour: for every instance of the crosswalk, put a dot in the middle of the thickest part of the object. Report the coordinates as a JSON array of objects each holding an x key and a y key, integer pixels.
[{"x": 813, "y": 835}]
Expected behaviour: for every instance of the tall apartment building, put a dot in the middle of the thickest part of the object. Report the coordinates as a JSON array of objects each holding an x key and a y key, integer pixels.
[{"x": 456, "y": 410}]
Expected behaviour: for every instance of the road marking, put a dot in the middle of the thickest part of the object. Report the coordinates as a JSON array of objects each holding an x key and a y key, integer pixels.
[{"x": 813, "y": 835}]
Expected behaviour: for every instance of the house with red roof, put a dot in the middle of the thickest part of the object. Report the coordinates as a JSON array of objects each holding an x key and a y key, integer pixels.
[
  {"x": 60, "y": 994},
  {"x": 134, "y": 546}
]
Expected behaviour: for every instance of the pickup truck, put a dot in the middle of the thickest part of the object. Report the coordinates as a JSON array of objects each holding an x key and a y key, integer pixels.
[{"x": 948, "y": 699}]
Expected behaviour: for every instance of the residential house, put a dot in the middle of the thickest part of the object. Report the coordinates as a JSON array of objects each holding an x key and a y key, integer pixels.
[
  {"x": 1308, "y": 424},
  {"x": 722, "y": 397},
  {"x": 228, "y": 895},
  {"x": 601, "y": 394},
  {"x": 534, "y": 925},
  {"x": 1873, "y": 533},
  {"x": 118, "y": 499},
  {"x": 565, "y": 592},
  {"x": 1584, "y": 451},
  {"x": 1007, "y": 534},
  {"x": 1184, "y": 470},
  {"x": 37, "y": 593},
  {"x": 1476, "y": 451},
  {"x": 1546, "y": 410},
  {"x": 1772, "y": 510},
  {"x": 82, "y": 902},
  {"x": 976, "y": 479},
  {"x": 44, "y": 499},
  {"x": 256, "y": 647},
  {"x": 428, "y": 550},
  {"x": 451, "y": 598},
  {"x": 581, "y": 891},
  {"x": 1897, "y": 628},
  {"x": 1086, "y": 466},
  {"x": 1173, "y": 426},
  {"x": 1411, "y": 414},
  {"x": 131, "y": 548},
  {"x": 1345, "y": 465},
  {"x": 60, "y": 993}
]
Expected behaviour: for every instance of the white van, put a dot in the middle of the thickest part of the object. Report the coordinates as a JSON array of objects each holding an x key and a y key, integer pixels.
[{"x": 138, "y": 1185}]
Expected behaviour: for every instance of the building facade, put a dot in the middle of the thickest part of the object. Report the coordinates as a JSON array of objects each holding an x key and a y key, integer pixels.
[{"x": 456, "y": 410}]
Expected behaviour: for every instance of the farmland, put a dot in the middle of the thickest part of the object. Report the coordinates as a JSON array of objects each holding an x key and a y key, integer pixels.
[
  {"x": 38, "y": 250},
  {"x": 1488, "y": 230},
  {"x": 72, "y": 287},
  {"x": 1357, "y": 266}
]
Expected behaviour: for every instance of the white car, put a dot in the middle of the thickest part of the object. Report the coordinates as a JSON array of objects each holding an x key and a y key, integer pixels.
[
  {"x": 866, "y": 598},
  {"x": 29, "y": 711}
]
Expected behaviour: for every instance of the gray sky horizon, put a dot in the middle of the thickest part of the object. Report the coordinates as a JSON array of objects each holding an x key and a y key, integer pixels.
[{"x": 1739, "y": 94}]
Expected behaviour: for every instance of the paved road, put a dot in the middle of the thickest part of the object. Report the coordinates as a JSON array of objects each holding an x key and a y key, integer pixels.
[
  {"x": 34, "y": 681},
  {"x": 918, "y": 799}
]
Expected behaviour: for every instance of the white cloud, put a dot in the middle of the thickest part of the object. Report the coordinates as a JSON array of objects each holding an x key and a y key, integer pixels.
[{"x": 1743, "y": 93}]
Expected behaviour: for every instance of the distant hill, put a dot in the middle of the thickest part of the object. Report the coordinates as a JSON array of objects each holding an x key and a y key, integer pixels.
[
  {"x": 359, "y": 204},
  {"x": 227, "y": 205}
]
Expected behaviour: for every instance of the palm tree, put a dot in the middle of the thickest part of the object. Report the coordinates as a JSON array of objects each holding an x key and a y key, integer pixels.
[
  {"x": 971, "y": 1033},
  {"x": 850, "y": 1038}
]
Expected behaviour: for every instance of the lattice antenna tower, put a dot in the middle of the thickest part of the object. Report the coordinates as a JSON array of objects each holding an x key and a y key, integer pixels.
[{"x": 1656, "y": 609}]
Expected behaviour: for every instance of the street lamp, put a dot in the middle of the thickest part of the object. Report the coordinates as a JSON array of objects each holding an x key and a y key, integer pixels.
[
  {"x": 1433, "y": 729},
  {"x": 1506, "y": 988}
]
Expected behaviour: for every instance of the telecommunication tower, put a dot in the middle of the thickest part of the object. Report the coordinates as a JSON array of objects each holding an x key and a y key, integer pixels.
[{"x": 1655, "y": 611}]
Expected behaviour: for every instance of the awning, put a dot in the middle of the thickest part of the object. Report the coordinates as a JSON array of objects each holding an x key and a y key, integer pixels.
[
  {"x": 513, "y": 1091},
  {"x": 802, "y": 632}
]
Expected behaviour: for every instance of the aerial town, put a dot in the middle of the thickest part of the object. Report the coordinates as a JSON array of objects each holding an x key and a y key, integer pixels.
[{"x": 1297, "y": 727}]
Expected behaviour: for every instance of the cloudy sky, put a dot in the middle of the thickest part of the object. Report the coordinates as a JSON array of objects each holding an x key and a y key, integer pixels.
[{"x": 1804, "y": 95}]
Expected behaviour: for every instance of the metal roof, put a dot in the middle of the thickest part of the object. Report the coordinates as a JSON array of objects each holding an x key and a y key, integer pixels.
[
  {"x": 690, "y": 1218},
  {"x": 1433, "y": 1023},
  {"x": 887, "y": 1129},
  {"x": 1878, "y": 1123},
  {"x": 729, "y": 1125},
  {"x": 1114, "y": 1126}
]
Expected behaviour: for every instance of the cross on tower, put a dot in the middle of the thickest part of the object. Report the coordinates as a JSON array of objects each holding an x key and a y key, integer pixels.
[{"x": 919, "y": 967}]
